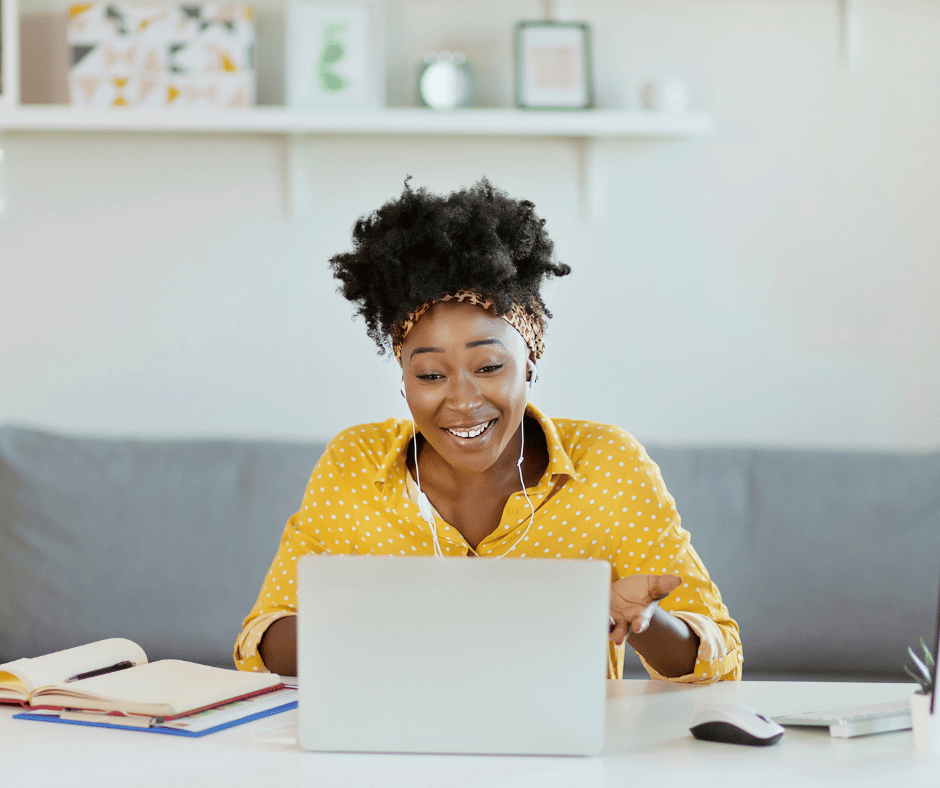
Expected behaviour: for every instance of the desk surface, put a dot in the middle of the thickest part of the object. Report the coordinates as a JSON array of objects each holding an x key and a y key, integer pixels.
[{"x": 648, "y": 742}]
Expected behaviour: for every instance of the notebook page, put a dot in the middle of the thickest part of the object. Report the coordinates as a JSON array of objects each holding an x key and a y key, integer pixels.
[
  {"x": 55, "y": 668},
  {"x": 173, "y": 684}
]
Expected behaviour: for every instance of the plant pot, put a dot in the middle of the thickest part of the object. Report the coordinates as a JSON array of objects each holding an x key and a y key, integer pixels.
[{"x": 926, "y": 725}]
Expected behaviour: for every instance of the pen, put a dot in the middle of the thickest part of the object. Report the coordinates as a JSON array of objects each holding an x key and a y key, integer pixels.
[{"x": 101, "y": 671}]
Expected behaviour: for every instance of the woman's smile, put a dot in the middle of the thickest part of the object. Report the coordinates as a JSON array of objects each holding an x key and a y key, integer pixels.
[{"x": 468, "y": 434}]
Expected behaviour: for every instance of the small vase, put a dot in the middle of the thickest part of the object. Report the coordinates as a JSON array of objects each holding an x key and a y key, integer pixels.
[{"x": 926, "y": 725}]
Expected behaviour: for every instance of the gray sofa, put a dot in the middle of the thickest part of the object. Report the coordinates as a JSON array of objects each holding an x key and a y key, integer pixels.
[{"x": 830, "y": 561}]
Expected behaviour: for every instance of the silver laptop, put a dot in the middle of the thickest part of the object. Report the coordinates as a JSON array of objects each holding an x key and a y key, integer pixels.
[{"x": 454, "y": 655}]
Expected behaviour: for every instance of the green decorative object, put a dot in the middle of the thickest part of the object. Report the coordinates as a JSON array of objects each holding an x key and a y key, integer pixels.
[
  {"x": 333, "y": 52},
  {"x": 925, "y": 716},
  {"x": 922, "y": 670}
]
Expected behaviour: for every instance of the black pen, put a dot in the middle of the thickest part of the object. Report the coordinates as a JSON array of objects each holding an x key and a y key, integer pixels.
[{"x": 101, "y": 671}]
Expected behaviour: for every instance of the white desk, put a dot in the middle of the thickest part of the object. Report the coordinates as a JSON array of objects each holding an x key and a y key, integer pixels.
[{"x": 648, "y": 744}]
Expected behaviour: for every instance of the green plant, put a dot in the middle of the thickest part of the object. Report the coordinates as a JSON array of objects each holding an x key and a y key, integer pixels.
[
  {"x": 333, "y": 52},
  {"x": 921, "y": 670}
]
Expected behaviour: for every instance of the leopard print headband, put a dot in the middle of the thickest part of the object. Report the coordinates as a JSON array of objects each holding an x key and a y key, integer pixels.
[{"x": 532, "y": 330}]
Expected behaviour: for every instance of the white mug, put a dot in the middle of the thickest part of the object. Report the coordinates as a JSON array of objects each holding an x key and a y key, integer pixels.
[{"x": 667, "y": 95}]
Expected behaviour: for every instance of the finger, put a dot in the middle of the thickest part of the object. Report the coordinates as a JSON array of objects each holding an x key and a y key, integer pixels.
[
  {"x": 660, "y": 586},
  {"x": 619, "y": 633},
  {"x": 641, "y": 621}
]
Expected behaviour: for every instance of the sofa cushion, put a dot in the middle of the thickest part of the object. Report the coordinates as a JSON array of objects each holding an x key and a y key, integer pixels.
[
  {"x": 162, "y": 542},
  {"x": 828, "y": 560}
]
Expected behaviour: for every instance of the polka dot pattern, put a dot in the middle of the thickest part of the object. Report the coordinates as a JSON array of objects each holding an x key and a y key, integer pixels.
[{"x": 600, "y": 498}]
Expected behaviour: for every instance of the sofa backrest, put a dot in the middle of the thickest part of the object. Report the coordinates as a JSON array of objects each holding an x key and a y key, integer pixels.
[
  {"x": 163, "y": 542},
  {"x": 829, "y": 561}
]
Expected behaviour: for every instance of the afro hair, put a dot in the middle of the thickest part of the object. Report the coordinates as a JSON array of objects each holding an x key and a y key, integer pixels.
[{"x": 423, "y": 246}]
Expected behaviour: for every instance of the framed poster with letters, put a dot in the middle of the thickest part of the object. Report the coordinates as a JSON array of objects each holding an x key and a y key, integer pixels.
[
  {"x": 335, "y": 54},
  {"x": 553, "y": 65}
]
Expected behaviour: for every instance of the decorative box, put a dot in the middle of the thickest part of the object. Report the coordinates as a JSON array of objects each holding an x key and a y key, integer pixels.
[{"x": 158, "y": 55}]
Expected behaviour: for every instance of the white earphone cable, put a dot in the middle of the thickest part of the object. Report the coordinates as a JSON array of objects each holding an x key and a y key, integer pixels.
[
  {"x": 532, "y": 378},
  {"x": 424, "y": 505}
]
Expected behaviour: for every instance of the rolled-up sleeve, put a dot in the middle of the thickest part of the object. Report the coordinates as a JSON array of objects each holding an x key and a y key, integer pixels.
[{"x": 649, "y": 539}]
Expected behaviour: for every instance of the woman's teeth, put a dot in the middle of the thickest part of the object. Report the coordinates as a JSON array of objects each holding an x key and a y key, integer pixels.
[{"x": 472, "y": 432}]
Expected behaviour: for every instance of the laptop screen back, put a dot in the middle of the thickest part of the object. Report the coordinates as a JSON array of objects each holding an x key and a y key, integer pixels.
[{"x": 452, "y": 655}]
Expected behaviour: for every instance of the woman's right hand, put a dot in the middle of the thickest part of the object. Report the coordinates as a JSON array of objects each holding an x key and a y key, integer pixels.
[{"x": 633, "y": 601}]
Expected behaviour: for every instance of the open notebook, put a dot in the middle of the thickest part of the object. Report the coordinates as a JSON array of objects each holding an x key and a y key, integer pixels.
[{"x": 113, "y": 676}]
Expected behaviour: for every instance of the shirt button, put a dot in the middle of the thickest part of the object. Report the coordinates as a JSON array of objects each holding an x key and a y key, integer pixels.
[{"x": 513, "y": 510}]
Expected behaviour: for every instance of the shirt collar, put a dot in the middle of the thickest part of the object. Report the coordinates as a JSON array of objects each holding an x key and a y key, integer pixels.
[
  {"x": 394, "y": 467},
  {"x": 559, "y": 463}
]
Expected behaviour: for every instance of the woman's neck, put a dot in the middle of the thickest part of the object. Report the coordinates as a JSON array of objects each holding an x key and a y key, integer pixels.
[
  {"x": 474, "y": 503},
  {"x": 502, "y": 475}
]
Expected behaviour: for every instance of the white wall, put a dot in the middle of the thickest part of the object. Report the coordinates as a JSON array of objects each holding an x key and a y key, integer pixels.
[{"x": 774, "y": 283}]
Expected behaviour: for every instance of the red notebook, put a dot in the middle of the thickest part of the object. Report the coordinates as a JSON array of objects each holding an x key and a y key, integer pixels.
[{"x": 114, "y": 676}]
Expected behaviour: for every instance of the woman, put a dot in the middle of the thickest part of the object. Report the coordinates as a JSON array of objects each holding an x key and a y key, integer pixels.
[{"x": 452, "y": 286}]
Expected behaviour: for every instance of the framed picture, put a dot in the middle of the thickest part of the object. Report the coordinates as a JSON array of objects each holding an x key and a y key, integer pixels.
[
  {"x": 553, "y": 65},
  {"x": 335, "y": 54},
  {"x": 9, "y": 57}
]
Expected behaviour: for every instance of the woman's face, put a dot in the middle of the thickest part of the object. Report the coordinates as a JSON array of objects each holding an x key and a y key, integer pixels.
[{"x": 465, "y": 381}]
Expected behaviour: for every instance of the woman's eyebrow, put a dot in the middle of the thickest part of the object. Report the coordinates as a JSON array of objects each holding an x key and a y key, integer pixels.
[
  {"x": 479, "y": 342},
  {"x": 475, "y": 343},
  {"x": 426, "y": 350}
]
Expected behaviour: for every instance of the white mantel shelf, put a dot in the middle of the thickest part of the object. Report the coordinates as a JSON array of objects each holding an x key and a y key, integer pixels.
[
  {"x": 592, "y": 130},
  {"x": 599, "y": 123}
]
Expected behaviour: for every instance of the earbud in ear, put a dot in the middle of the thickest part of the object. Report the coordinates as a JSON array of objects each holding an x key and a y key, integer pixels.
[
  {"x": 403, "y": 388},
  {"x": 533, "y": 373}
]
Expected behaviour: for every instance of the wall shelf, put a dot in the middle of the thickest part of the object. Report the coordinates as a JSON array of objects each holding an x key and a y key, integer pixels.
[
  {"x": 590, "y": 128},
  {"x": 410, "y": 121}
]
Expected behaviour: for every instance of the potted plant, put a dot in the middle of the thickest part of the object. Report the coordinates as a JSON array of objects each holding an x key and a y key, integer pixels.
[{"x": 925, "y": 706}]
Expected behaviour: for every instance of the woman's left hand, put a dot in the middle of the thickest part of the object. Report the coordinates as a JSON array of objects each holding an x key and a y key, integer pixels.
[{"x": 633, "y": 601}]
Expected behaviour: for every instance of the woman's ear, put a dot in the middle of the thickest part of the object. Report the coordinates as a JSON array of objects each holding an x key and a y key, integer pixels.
[{"x": 532, "y": 373}]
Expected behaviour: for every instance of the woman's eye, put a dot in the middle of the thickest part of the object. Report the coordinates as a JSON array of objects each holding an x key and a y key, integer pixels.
[
  {"x": 430, "y": 376},
  {"x": 491, "y": 368}
]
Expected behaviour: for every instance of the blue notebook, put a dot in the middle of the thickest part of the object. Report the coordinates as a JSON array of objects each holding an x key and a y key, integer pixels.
[{"x": 194, "y": 725}]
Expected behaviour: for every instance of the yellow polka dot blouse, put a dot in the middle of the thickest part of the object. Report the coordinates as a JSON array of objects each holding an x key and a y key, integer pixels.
[{"x": 601, "y": 497}]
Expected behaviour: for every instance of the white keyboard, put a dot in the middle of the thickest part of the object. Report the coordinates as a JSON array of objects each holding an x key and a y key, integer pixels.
[{"x": 894, "y": 715}]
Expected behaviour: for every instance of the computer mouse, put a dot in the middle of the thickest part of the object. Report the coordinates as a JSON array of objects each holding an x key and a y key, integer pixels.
[{"x": 734, "y": 723}]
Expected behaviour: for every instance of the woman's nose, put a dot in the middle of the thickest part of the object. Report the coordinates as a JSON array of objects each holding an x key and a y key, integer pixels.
[{"x": 463, "y": 393}]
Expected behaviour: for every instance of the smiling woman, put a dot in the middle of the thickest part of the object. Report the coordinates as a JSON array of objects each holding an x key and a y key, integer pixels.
[
  {"x": 451, "y": 285},
  {"x": 465, "y": 381}
]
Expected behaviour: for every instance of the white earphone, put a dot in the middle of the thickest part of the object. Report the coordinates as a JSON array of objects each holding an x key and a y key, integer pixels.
[{"x": 533, "y": 373}]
